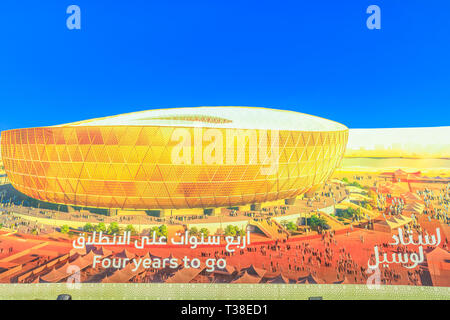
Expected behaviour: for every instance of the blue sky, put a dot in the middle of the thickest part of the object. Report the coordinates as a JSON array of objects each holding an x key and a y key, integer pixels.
[{"x": 316, "y": 57}]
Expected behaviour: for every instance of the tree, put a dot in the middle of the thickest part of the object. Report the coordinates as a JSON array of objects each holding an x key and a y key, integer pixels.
[
  {"x": 100, "y": 227},
  {"x": 240, "y": 232},
  {"x": 88, "y": 227},
  {"x": 348, "y": 213},
  {"x": 130, "y": 228},
  {"x": 64, "y": 229},
  {"x": 163, "y": 230},
  {"x": 204, "y": 232},
  {"x": 291, "y": 226},
  {"x": 234, "y": 231},
  {"x": 193, "y": 231},
  {"x": 113, "y": 228},
  {"x": 154, "y": 230},
  {"x": 316, "y": 222},
  {"x": 159, "y": 231},
  {"x": 230, "y": 230}
]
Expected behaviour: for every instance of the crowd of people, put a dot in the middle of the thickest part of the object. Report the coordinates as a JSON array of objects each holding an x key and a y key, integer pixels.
[
  {"x": 436, "y": 204},
  {"x": 21, "y": 225},
  {"x": 326, "y": 256}
]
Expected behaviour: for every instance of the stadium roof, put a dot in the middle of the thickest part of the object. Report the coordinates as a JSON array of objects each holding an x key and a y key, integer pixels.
[{"x": 219, "y": 117}]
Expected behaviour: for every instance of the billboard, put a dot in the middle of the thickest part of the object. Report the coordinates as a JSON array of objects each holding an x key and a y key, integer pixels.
[{"x": 225, "y": 150}]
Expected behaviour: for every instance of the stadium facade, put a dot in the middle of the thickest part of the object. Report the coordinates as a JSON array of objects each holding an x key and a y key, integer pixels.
[{"x": 205, "y": 157}]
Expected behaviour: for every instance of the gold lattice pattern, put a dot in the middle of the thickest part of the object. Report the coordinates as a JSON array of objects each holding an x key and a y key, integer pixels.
[{"x": 131, "y": 167}]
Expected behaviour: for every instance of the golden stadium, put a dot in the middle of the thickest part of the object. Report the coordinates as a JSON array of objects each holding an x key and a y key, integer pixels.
[{"x": 205, "y": 157}]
